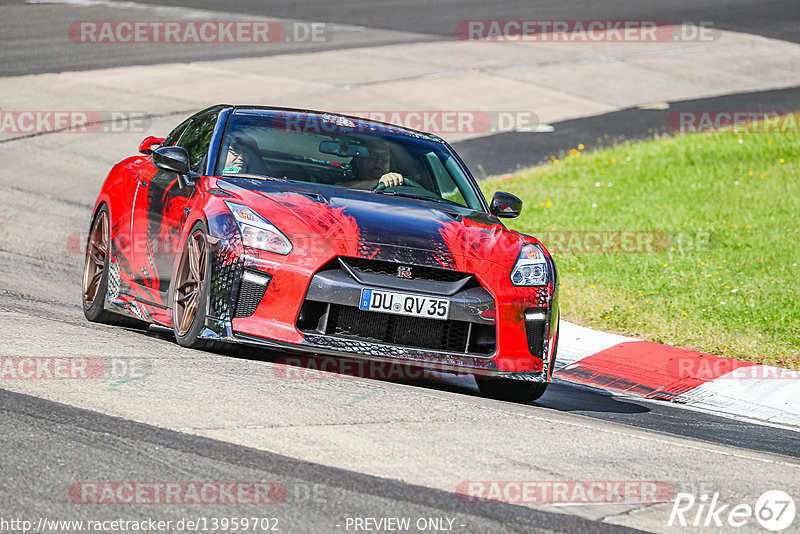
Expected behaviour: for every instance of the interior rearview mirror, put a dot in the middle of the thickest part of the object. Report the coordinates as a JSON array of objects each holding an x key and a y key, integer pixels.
[{"x": 343, "y": 150}]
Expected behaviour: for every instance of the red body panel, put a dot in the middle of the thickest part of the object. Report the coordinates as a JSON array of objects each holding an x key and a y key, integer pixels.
[{"x": 319, "y": 232}]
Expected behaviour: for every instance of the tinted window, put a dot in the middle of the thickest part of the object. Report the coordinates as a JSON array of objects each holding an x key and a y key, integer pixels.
[
  {"x": 326, "y": 150},
  {"x": 196, "y": 138},
  {"x": 175, "y": 134}
]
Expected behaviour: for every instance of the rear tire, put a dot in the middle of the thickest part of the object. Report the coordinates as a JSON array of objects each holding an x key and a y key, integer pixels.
[
  {"x": 189, "y": 292},
  {"x": 95, "y": 275},
  {"x": 508, "y": 389}
]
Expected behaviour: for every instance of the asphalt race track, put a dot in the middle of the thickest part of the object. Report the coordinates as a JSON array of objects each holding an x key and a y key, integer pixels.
[
  {"x": 315, "y": 494},
  {"x": 39, "y": 49},
  {"x": 630, "y": 123},
  {"x": 341, "y": 446}
]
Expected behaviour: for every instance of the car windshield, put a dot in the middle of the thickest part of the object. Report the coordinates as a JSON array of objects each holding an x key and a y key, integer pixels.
[{"x": 335, "y": 151}]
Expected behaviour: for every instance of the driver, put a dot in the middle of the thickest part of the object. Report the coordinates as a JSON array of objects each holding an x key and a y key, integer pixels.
[
  {"x": 373, "y": 169},
  {"x": 243, "y": 156}
]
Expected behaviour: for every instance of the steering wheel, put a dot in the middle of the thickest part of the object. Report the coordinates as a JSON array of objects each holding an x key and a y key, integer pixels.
[{"x": 406, "y": 181}]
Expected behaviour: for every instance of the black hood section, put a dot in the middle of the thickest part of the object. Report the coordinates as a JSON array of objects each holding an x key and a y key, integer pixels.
[{"x": 391, "y": 228}]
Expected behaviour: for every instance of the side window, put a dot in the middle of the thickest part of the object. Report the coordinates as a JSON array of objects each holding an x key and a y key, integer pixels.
[
  {"x": 174, "y": 135},
  {"x": 196, "y": 138},
  {"x": 448, "y": 189}
]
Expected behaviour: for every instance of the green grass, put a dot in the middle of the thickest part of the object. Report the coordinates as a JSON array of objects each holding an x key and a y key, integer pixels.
[{"x": 726, "y": 280}]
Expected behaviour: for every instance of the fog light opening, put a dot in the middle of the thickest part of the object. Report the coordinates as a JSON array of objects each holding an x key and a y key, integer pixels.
[{"x": 256, "y": 278}]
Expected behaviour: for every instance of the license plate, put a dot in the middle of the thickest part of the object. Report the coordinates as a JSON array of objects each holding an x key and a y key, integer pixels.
[{"x": 404, "y": 304}]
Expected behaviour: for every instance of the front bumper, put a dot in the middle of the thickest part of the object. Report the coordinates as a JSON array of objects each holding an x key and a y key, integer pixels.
[
  {"x": 277, "y": 324},
  {"x": 220, "y": 330}
]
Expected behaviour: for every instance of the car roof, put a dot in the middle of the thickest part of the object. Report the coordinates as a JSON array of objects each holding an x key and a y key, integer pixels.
[{"x": 333, "y": 118}]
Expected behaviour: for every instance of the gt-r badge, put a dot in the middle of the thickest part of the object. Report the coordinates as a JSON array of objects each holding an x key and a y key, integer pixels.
[{"x": 404, "y": 272}]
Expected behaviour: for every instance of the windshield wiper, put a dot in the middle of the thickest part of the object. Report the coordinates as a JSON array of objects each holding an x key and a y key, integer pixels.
[{"x": 255, "y": 176}]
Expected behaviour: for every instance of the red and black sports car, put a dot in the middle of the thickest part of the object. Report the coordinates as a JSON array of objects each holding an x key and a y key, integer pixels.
[{"x": 328, "y": 234}]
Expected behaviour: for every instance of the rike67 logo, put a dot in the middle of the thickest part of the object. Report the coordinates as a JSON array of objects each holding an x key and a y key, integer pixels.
[{"x": 774, "y": 510}]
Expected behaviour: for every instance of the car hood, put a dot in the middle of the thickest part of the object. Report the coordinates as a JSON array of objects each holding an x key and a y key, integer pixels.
[{"x": 384, "y": 227}]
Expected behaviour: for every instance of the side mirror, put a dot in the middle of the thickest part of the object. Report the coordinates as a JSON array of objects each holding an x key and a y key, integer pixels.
[
  {"x": 505, "y": 205},
  {"x": 146, "y": 146},
  {"x": 172, "y": 159}
]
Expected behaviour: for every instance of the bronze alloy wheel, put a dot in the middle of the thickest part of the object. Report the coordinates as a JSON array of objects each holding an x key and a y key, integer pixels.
[
  {"x": 96, "y": 252},
  {"x": 189, "y": 283}
]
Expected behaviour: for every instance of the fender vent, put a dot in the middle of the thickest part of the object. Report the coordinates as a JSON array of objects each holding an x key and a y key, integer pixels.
[
  {"x": 536, "y": 329},
  {"x": 254, "y": 285}
]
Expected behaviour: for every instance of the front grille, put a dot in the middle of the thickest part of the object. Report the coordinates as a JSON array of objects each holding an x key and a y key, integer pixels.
[
  {"x": 450, "y": 336},
  {"x": 388, "y": 268}
]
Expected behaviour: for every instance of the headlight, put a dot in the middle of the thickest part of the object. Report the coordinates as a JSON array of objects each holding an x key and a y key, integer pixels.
[
  {"x": 531, "y": 267},
  {"x": 257, "y": 232}
]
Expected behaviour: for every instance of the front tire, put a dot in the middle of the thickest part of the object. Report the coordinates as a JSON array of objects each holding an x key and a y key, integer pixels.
[
  {"x": 508, "y": 389},
  {"x": 95, "y": 275},
  {"x": 190, "y": 292}
]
